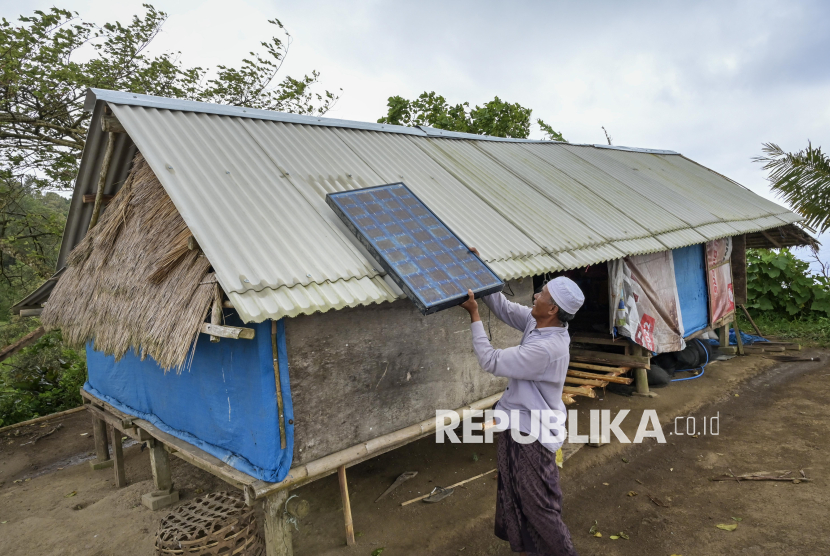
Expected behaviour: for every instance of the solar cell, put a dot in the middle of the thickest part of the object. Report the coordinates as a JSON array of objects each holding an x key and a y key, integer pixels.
[{"x": 421, "y": 254}]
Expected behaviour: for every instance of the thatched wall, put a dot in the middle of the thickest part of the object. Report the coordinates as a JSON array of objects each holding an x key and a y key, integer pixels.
[{"x": 133, "y": 282}]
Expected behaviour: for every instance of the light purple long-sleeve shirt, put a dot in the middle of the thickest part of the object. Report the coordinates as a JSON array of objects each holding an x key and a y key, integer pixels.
[{"x": 535, "y": 369}]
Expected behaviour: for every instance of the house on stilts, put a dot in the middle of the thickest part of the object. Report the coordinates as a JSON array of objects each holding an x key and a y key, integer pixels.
[{"x": 229, "y": 314}]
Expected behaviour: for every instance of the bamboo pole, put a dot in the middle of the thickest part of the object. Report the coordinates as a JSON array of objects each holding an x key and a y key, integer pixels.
[
  {"x": 347, "y": 508},
  {"x": 590, "y": 367},
  {"x": 216, "y": 310},
  {"x": 23, "y": 342},
  {"x": 280, "y": 407},
  {"x": 102, "y": 180},
  {"x": 595, "y": 376},
  {"x": 451, "y": 486}
]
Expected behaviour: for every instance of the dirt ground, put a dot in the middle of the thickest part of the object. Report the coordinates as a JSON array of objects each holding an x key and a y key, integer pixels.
[{"x": 772, "y": 417}]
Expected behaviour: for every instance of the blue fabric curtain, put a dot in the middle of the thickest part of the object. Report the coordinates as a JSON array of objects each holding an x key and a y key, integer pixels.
[{"x": 690, "y": 275}]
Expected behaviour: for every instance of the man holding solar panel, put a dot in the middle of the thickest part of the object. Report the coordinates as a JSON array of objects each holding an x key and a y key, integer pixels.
[{"x": 529, "y": 500}]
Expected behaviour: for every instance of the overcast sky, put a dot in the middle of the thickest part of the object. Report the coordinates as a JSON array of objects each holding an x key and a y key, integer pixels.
[{"x": 712, "y": 80}]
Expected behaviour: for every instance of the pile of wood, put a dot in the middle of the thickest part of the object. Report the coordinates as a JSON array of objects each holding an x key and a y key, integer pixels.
[{"x": 589, "y": 370}]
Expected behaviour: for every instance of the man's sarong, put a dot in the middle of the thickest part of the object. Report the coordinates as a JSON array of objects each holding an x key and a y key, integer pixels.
[{"x": 529, "y": 501}]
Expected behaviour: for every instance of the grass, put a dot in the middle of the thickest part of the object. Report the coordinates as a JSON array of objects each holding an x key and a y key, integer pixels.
[{"x": 810, "y": 331}]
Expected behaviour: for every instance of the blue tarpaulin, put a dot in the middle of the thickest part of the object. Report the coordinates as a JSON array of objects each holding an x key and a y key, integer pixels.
[
  {"x": 690, "y": 275},
  {"x": 224, "y": 404}
]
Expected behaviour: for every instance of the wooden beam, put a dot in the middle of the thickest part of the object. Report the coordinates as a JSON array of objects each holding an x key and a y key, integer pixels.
[
  {"x": 771, "y": 239},
  {"x": 752, "y": 322},
  {"x": 567, "y": 399},
  {"x": 232, "y": 332},
  {"x": 595, "y": 376},
  {"x": 105, "y": 199},
  {"x": 23, "y": 342},
  {"x": 118, "y": 458},
  {"x": 615, "y": 359},
  {"x": 347, "y": 508},
  {"x": 110, "y": 124},
  {"x": 216, "y": 311},
  {"x": 102, "y": 180},
  {"x": 31, "y": 312}
]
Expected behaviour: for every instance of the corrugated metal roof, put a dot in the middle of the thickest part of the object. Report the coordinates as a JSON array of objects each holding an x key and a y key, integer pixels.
[{"x": 251, "y": 186}]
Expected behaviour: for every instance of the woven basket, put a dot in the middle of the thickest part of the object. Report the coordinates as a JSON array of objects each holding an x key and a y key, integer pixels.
[{"x": 218, "y": 523}]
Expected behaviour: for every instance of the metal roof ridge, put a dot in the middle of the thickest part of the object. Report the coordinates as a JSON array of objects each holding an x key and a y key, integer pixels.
[
  {"x": 443, "y": 133},
  {"x": 164, "y": 103}
]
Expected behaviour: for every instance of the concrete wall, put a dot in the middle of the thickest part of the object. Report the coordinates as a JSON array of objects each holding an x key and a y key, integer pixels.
[{"x": 360, "y": 373}]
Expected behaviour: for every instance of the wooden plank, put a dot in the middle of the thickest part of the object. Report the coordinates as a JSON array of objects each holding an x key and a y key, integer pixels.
[
  {"x": 585, "y": 382},
  {"x": 614, "y": 359},
  {"x": 579, "y": 391},
  {"x": 232, "y": 332},
  {"x": 105, "y": 199},
  {"x": 605, "y": 340},
  {"x": 347, "y": 507},
  {"x": 112, "y": 421},
  {"x": 595, "y": 376},
  {"x": 118, "y": 458},
  {"x": 614, "y": 371},
  {"x": 23, "y": 342}
]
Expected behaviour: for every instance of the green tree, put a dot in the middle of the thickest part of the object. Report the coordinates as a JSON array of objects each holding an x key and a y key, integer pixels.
[
  {"x": 780, "y": 282},
  {"x": 496, "y": 118},
  {"x": 43, "y": 83},
  {"x": 802, "y": 179}
]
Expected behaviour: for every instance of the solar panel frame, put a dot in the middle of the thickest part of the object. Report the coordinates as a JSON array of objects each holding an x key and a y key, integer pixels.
[{"x": 448, "y": 252}]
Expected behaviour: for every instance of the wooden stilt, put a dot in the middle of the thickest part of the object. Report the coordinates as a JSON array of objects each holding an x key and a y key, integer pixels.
[
  {"x": 164, "y": 494},
  {"x": 277, "y": 529},
  {"x": 118, "y": 457},
  {"x": 641, "y": 375},
  {"x": 347, "y": 507},
  {"x": 723, "y": 336},
  {"x": 160, "y": 464},
  {"x": 102, "y": 451}
]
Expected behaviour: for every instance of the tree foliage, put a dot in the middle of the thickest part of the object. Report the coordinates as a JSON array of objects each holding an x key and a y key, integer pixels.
[
  {"x": 496, "y": 118},
  {"x": 49, "y": 59},
  {"x": 780, "y": 282},
  {"x": 802, "y": 179}
]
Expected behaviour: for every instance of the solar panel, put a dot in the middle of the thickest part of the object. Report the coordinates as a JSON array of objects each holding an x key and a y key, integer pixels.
[{"x": 421, "y": 254}]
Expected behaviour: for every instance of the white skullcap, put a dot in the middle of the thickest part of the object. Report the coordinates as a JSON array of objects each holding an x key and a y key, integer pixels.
[{"x": 566, "y": 294}]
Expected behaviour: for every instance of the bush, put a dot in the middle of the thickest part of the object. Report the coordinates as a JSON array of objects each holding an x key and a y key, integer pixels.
[
  {"x": 43, "y": 378},
  {"x": 780, "y": 282}
]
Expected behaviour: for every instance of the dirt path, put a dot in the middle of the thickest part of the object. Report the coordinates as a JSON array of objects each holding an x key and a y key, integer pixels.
[{"x": 778, "y": 421}]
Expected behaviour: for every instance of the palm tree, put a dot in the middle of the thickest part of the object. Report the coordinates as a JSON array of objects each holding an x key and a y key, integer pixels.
[{"x": 802, "y": 179}]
